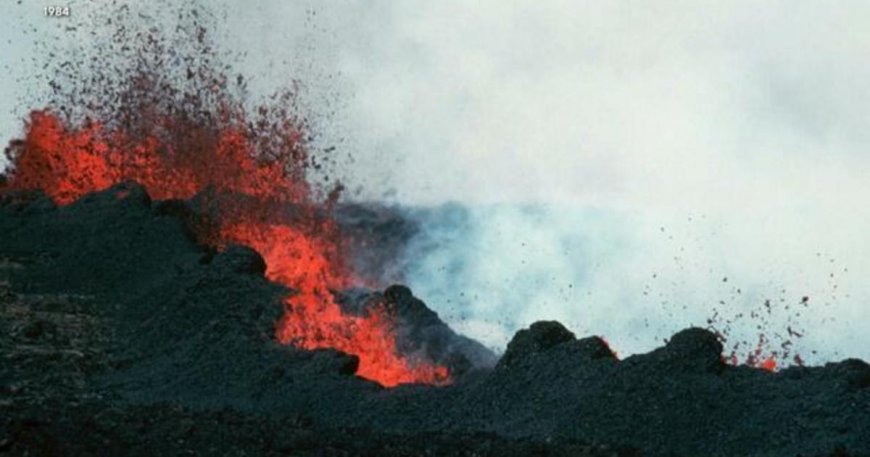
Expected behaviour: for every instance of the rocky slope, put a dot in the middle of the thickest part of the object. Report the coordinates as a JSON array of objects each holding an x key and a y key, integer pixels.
[{"x": 121, "y": 335}]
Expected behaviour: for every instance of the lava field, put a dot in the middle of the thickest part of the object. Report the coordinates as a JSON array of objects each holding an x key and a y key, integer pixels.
[
  {"x": 180, "y": 275},
  {"x": 124, "y": 335}
]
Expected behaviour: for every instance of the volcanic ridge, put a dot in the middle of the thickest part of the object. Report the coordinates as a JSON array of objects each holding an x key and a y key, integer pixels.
[
  {"x": 123, "y": 333},
  {"x": 178, "y": 275}
]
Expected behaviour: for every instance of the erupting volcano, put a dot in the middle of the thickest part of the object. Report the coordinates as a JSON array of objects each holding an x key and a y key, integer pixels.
[
  {"x": 180, "y": 273},
  {"x": 248, "y": 173}
]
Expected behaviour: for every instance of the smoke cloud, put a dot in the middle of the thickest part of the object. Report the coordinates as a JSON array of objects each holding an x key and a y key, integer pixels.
[{"x": 629, "y": 170}]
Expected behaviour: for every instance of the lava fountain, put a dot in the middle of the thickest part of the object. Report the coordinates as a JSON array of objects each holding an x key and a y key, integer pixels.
[{"x": 182, "y": 132}]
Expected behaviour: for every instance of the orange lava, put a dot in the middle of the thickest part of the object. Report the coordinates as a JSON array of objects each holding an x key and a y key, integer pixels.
[
  {"x": 313, "y": 320},
  {"x": 768, "y": 364},
  {"x": 302, "y": 252},
  {"x": 69, "y": 163}
]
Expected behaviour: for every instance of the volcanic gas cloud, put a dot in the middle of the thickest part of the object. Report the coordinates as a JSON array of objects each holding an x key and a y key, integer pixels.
[{"x": 179, "y": 128}]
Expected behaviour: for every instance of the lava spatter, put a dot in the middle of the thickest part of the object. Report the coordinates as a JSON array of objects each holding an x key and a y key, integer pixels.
[{"x": 187, "y": 135}]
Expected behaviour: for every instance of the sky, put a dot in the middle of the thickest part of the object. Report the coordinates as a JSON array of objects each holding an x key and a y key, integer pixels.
[{"x": 613, "y": 162}]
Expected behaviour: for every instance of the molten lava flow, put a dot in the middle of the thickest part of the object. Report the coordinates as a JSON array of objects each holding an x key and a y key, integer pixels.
[
  {"x": 161, "y": 109},
  {"x": 252, "y": 195},
  {"x": 313, "y": 320}
]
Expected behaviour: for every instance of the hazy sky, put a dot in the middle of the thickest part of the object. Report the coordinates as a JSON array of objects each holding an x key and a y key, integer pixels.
[{"x": 686, "y": 140}]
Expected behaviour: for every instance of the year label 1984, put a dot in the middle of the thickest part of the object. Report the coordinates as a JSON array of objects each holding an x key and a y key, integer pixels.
[{"x": 56, "y": 11}]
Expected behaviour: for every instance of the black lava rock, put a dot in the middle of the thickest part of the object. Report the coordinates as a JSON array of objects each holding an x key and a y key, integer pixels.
[
  {"x": 855, "y": 372},
  {"x": 240, "y": 259},
  {"x": 332, "y": 361},
  {"x": 538, "y": 338},
  {"x": 594, "y": 348},
  {"x": 24, "y": 203},
  {"x": 181, "y": 341},
  {"x": 692, "y": 349},
  {"x": 420, "y": 333}
]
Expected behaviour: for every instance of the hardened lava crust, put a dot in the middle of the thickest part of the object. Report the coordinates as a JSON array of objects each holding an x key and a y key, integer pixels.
[{"x": 121, "y": 335}]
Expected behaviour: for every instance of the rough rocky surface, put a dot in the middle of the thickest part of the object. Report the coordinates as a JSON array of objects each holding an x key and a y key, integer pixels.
[
  {"x": 120, "y": 335},
  {"x": 420, "y": 331}
]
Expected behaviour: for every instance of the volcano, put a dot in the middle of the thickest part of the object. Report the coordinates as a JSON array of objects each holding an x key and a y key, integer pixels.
[{"x": 180, "y": 275}]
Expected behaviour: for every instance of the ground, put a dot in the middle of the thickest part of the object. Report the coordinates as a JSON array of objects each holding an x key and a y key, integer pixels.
[{"x": 120, "y": 335}]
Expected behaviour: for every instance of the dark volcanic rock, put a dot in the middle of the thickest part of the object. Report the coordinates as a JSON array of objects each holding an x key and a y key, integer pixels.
[
  {"x": 594, "y": 348},
  {"x": 538, "y": 338},
  {"x": 331, "y": 361},
  {"x": 856, "y": 373},
  {"x": 693, "y": 349},
  {"x": 240, "y": 259},
  {"x": 121, "y": 335},
  {"x": 420, "y": 333}
]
